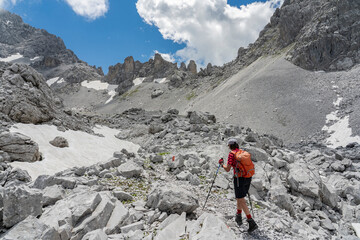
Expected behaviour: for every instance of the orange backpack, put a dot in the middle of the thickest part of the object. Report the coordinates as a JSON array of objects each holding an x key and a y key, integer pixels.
[{"x": 244, "y": 166}]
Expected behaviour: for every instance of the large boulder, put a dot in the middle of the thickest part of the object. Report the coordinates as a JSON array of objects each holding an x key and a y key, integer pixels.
[
  {"x": 80, "y": 213},
  {"x": 257, "y": 154},
  {"x": 172, "y": 199},
  {"x": 209, "y": 226},
  {"x": 173, "y": 230},
  {"x": 279, "y": 196},
  {"x": 30, "y": 229},
  {"x": 304, "y": 181},
  {"x": 19, "y": 203},
  {"x": 201, "y": 118},
  {"x": 59, "y": 142},
  {"x": 19, "y": 147},
  {"x": 130, "y": 169}
]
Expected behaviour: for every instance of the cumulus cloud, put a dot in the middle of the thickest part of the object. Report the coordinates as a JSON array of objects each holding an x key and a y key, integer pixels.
[
  {"x": 90, "y": 9},
  {"x": 8, "y": 3},
  {"x": 211, "y": 29}
]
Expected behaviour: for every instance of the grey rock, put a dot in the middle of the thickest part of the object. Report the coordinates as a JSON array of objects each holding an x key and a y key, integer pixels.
[
  {"x": 184, "y": 176},
  {"x": 19, "y": 147},
  {"x": 301, "y": 181},
  {"x": 59, "y": 142},
  {"x": 174, "y": 230},
  {"x": 338, "y": 166},
  {"x": 155, "y": 129},
  {"x": 30, "y": 229},
  {"x": 133, "y": 227},
  {"x": 176, "y": 162},
  {"x": 280, "y": 196},
  {"x": 98, "y": 234},
  {"x": 157, "y": 159},
  {"x": 16, "y": 176},
  {"x": 44, "y": 181},
  {"x": 122, "y": 196},
  {"x": 221, "y": 182},
  {"x": 172, "y": 199},
  {"x": 156, "y": 93},
  {"x": 119, "y": 214},
  {"x": 201, "y": 118},
  {"x": 257, "y": 154},
  {"x": 129, "y": 170},
  {"x": 52, "y": 194},
  {"x": 208, "y": 226},
  {"x": 19, "y": 203}
]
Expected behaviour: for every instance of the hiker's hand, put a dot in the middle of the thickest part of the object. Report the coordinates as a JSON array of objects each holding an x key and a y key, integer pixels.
[{"x": 221, "y": 161}]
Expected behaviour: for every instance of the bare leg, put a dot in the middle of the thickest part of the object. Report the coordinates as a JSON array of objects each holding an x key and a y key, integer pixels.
[{"x": 241, "y": 204}]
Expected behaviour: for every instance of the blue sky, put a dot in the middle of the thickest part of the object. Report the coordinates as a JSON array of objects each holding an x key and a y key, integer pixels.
[{"x": 141, "y": 27}]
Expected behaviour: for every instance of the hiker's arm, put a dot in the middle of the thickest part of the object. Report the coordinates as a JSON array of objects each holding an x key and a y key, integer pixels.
[{"x": 227, "y": 167}]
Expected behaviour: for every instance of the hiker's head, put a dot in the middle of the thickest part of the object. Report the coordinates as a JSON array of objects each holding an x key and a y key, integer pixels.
[{"x": 233, "y": 144}]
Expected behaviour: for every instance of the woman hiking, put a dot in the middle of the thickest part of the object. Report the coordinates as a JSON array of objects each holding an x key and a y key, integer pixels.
[{"x": 241, "y": 181}]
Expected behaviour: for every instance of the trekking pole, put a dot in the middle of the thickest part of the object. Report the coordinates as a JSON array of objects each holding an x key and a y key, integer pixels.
[
  {"x": 211, "y": 187},
  {"x": 252, "y": 211}
]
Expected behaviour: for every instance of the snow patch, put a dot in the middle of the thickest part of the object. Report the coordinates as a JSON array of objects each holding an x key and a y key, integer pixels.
[
  {"x": 84, "y": 149},
  {"x": 98, "y": 85},
  {"x": 11, "y": 58},
  {"x": 138, "y": 81},
  {"x": 338, "y": 128},
  {"x": 160, "y": 80},
  {"x": 52, "y": 81},
  {"x": 35, "y": 58}
]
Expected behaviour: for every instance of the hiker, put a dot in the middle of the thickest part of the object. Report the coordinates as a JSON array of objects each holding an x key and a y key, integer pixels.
[{"x": 241, "y": 184}]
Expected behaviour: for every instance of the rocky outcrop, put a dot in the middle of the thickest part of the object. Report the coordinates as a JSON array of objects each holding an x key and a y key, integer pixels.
[
  {"x": 321, "y": 35},
  {"x": 19, "y": 147},
  {"x": 124, "y": 74},
  {"x": 25, "y": 97}
]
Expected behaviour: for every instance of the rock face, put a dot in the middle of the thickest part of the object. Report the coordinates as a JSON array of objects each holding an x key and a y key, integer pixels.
[
  {"x": 172, "y": 199},
  {"x": 324, "y": 35},
  {"x": 19, "y": 37},
  {"x": 25, "y": 97},
  {"x": 124, "y": 74},
  {"x": 19, "y": 147}
]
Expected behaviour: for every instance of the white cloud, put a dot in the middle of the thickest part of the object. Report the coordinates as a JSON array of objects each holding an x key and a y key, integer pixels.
[
  {"x": 211, "y": 29},
  {"x": 91, "y": 9},
  {"x": 8, "y": 3}
]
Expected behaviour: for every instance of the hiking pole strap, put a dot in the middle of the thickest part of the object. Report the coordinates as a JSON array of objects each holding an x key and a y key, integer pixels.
[{"x": 211, "y": 187}]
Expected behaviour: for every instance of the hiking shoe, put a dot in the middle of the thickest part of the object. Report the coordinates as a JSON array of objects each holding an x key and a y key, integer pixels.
[
  {"x": 238, "y": 219},
  {"x": 252, "y": 225}
]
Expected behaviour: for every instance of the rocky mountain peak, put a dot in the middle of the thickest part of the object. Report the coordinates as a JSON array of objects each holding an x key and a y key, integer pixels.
[{"x": 318, "y": 35}]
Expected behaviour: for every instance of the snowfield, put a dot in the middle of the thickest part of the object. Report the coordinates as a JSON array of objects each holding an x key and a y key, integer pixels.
[
  {"x": 84, "y": 149},
  {"x": 98, "y": 85},
  {"x": 12, "y": 58}
]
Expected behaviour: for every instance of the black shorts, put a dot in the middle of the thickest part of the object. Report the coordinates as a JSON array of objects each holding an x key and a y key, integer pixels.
[{"x": 241, "y": 186}]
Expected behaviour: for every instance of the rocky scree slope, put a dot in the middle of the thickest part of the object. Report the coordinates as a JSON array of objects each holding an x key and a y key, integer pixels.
[{"x": 310, "y": 193}]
